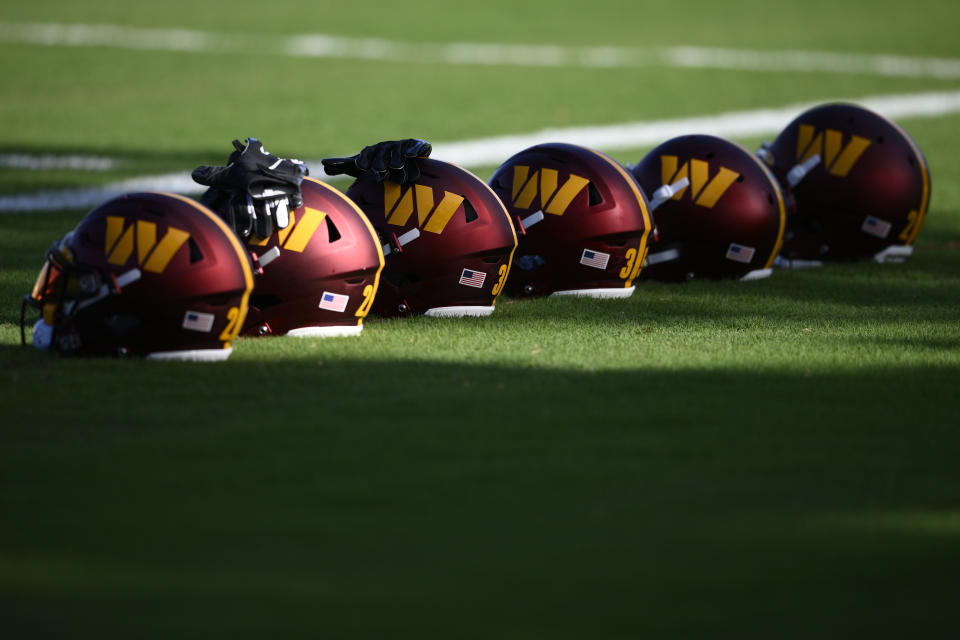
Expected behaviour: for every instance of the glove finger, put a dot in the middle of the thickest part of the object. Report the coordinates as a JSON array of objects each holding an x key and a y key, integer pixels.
[
  {"x": 411, "y": 169},
  {"x": 207, "y": 175},
  {"x": 289, "y": 170},
  {"x": 241, "y": 214},
  {"x": 414, "y": 147},
  {"x": 395, "y": 156},
  {"x": 263, "y": 223},
  {"x": 367, "y": 158},
  {"x": 281, "y": 212},
  {"x": 378, "y": 159},
  {"x": 339, "y": 166}
]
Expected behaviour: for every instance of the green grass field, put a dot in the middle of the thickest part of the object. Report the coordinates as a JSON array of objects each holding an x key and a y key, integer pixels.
[{"x": 718, "y": 459}]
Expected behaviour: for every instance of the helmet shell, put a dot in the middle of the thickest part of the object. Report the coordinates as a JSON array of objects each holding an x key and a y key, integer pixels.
[
  {"x": 449, "y": 242},
  {"x": 582, "y": 222},
  {"x": 869, "y": 191},
  {"x": 189, "y": 301},
  {"x": 729, "y": 220},
  {"x": 327, "y": 273}
]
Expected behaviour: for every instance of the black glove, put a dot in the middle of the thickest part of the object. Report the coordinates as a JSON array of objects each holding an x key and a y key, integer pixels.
[
  {"x": 255, "y": 191},
  {"x": 394, "y": 160}
]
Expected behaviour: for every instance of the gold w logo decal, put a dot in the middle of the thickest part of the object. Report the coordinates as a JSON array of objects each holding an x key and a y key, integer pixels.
[
  {"x": 704, "y": 191},
  {"x": 151, "y": 255},
  {"x": 398, "y": 206},
  {"x": 552, "y": 199},
  {"x": 296, "y": 235},
  {"x": 837, "y": 159}
]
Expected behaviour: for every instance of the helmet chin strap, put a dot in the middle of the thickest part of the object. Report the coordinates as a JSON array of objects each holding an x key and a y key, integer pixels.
[
  {"x": 124, "y": 279},
  {"x": 403, "y": 240},
  {"x": 799, "y": 171},
  {"x": 666, "y": 192}
]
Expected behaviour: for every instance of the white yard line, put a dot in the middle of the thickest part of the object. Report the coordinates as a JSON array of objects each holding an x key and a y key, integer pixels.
[
  {"x": 472, "y": 53},
  {"x": 493, "y": 151},
  {"x": 51, "y": 162}
]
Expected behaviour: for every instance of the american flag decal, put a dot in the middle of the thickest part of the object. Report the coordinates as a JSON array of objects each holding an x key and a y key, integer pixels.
[
  {"x": 198, "y": 321},
  {"x": 740, "y": 253},
  {"x": 876, "y": 227},
  {"x": 595, "y": 259},
  {"x": 334, "y": 301},
  {"x": 472, "y": 278}
]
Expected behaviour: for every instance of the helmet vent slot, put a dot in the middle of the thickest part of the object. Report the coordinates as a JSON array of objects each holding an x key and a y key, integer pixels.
[
  {"x": 332, "y": 230},
  {"x": 492, "y": 259},
  {"x": 470, "y": 212},
  {"x": 195, "y": 254},
  {"x": 355, "y": 280},
  {"x": 595, "y": 197}
]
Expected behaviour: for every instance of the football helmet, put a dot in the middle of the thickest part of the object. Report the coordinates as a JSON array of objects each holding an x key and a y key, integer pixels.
[
  {"x": 324, "y": 276},
  {"x": 581, "y": 221},
  {"x": 719, "y": 212},
  {"x": 147, "y": 274},
  {"x": 858, "y": 185},
  {"x": 447, "y": 240}
]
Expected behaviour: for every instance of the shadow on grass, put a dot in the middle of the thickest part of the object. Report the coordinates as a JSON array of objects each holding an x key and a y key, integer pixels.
[{"x": 407, "y": 498}]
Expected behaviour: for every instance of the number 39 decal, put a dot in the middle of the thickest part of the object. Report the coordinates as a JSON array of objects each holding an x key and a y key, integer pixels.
[
  {"x": 502, "y": 273},
  {"x": 634, "y": 263}
]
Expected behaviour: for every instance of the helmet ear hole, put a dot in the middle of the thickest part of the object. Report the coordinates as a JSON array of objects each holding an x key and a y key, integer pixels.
[
  {"x": 195, "y": 254},
  {"x": 332, "y": 230},
  {"x": 595, "y": 197},
  {"x": 469, "y": 211}
]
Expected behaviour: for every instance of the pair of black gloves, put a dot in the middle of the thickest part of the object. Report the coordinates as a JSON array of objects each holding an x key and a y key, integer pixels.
[{"x": 256, "y": 190}]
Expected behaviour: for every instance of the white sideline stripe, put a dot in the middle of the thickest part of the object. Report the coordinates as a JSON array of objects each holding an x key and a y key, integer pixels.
[
  {"x": 831, "y": 62},
  {"x": 630, "y": 135},
  {"x": 331, "y": 46},
  {"x": 48, "y": 161},
  {"x": 494, "y": 151}
]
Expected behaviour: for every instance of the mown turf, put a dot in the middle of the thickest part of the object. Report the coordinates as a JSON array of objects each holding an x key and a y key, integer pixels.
[{"x": 766, "y": 459}]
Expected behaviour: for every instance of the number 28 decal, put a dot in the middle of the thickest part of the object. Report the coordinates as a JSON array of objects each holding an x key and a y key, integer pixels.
[
  {"x": 364, "y": 307},
  {"x": 233, "y": 325}
]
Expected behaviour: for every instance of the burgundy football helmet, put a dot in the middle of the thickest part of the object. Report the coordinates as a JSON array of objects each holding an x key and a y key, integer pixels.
[
  {"x": 858, "y": 185},
  {"x": 719, "y": 212},
  {"x": 147, "y": 274},
  {"x": 447, "y": 240},
  {"x": 324, "y": 277},
  {"x": 581, "y": 221}
]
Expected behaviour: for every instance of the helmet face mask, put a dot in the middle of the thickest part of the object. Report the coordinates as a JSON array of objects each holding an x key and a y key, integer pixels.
[
  {"x": 859, "y": 186},
  {"x": 146, "y": 274},
  {"x": 719, "y": 211},
  {"x": 326, "y": 273},
  {"x": 582, "y": 222},
  {"x": 447, "y": 240}
]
